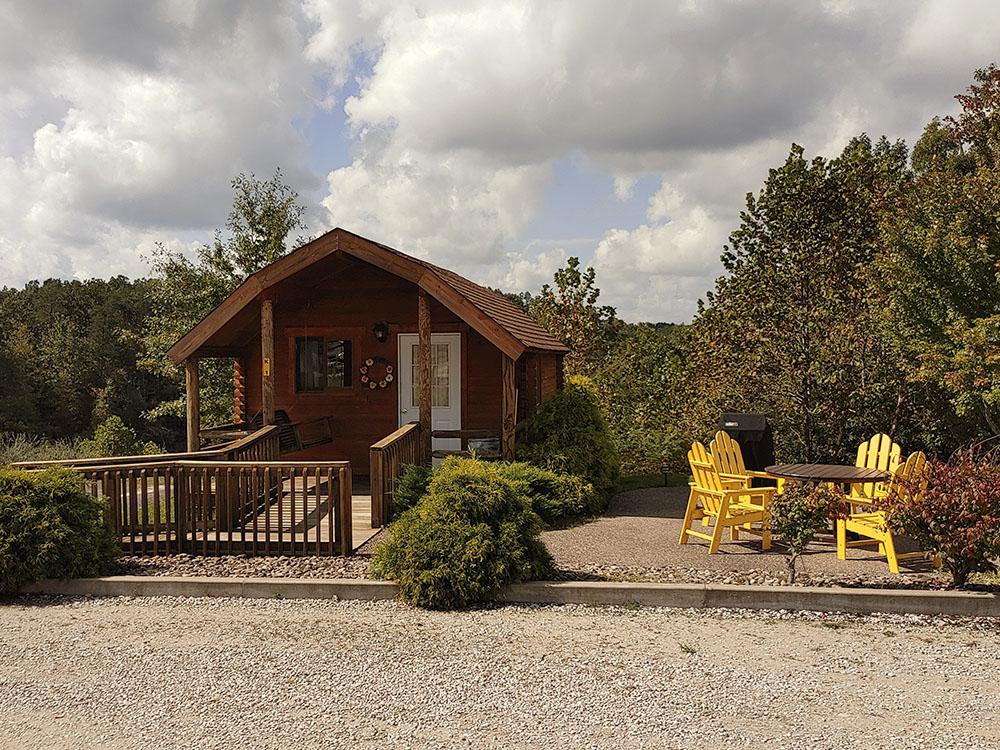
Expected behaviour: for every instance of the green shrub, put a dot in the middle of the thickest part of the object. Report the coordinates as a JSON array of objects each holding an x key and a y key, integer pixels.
[
  {"x": 471, "y": 535},
  {"x": 50, "y": 528},
  {"x": 800, "y": 512},
  {"x": 410, "y": 488},
  {"x": 554, "y": 497},
  {"x": 644, "y": 451},
  {"x": 569, "y": 435},
  {"x": 956, "y": 515},
  {"x": 113, "y": 437},
  {"x": 16, "y": 447}
]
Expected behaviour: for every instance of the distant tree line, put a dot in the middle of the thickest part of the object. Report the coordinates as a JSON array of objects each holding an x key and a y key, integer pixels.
[{"x": 70, "y": 357}]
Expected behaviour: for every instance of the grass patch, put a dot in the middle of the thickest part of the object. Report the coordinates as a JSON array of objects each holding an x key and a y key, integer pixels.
[
  {"x": 687, "y": 648},
  {"x": 643, "y": 481}
]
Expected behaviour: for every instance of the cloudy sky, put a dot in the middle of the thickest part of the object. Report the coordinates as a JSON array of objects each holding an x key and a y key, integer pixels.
[{"x": 496, "y": 140}]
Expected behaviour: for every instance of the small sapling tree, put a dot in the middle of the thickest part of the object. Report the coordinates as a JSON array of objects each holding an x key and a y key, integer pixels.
[{"x": 799, "y": 513}]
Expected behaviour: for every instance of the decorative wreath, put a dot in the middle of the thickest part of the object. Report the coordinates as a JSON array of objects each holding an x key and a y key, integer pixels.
[{"x": 376, "y": 372}]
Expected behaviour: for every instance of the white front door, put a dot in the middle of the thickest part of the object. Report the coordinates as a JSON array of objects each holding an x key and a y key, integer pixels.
[{"x": 446, "y": 385}]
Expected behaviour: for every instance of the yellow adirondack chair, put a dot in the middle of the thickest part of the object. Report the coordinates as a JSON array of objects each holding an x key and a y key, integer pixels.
[
  {"x": 872, "y": 526},
  {"x": 729, "y": 458},
  {"x": 729, "y": 507},
  {"x": 879, "y": 452}
]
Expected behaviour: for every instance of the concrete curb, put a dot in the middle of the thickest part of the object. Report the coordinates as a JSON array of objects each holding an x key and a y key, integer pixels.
[
  {"x": 820, "y": 599},
  {"x": 858, "y": 601},
  {"x": 216, "y": 586}
]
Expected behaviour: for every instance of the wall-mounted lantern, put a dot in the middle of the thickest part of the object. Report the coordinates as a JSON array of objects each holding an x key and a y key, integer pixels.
[{"x": 381, "y": 331}]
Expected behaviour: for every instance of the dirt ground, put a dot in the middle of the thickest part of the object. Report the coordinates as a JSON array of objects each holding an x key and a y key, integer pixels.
[{"x": 198, "y": 673}]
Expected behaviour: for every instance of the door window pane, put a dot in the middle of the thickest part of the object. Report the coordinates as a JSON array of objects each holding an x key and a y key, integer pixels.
[
  {"x": 440, "y": 375},
  {"x": 414, "y": 383}
]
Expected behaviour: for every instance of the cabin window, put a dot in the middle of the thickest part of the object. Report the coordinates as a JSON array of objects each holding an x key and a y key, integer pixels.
[{"x": 322, "y": 364}]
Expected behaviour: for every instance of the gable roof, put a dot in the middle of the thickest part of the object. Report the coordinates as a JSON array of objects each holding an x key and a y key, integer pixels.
[{"x": 492, "y": 315}]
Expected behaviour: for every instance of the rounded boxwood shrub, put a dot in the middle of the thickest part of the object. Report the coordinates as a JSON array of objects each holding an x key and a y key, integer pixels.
[
  {"x": 555, "y": 497},
  {"x": 568, "y": 434},
  {"x": 50, "y": 528},
  {"x": 473, "y": 533}
]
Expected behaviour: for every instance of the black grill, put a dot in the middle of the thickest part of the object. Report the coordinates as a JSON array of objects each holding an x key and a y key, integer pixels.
[{"x": 753, "y": 433}]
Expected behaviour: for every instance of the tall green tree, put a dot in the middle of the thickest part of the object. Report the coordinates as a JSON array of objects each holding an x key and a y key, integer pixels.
[
  {"x": 569, "y": 309},
  {"x": 943, "y": 272},
  {"x": 260, "y": 228},
  {"x": 794, "y": 327}
]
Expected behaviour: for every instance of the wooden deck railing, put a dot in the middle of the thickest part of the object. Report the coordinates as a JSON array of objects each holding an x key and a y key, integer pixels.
[
  {"x": 260, "y": 445},
  {"x": 227, "y": 507},
  {"x": 387, "y": 459}
]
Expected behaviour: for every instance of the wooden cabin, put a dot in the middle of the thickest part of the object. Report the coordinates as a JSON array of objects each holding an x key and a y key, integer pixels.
[{"x": 345, "y": 342}]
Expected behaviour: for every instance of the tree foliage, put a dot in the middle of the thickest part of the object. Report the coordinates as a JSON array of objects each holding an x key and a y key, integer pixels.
[
  {"x": 957, "y": 514},
  {"x": 569, "y": 309},
  {"x": 640, "y": 387},
  {"x": 795, "y": 327},
  {"x": 942, "y": 273},
  {"x": 69, "y": 353},
  {"x": 264, "y": 216},
  {"x": 799, "y": 513}
]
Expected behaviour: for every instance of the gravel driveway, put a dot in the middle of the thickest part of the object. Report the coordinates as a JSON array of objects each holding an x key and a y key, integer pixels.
[{"x": 150, "y": 673}]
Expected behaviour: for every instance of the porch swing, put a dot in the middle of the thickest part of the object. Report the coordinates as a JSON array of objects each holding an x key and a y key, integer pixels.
[{"x": 292, "y": 436}]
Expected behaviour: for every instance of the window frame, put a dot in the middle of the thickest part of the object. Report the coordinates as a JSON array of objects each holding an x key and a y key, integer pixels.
[{"x": 350, "y": 336}]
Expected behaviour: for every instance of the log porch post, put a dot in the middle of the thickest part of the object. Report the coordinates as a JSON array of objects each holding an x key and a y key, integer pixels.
[
  {"x": 508, "y": 408},
  {"x": 424, "y": 372},
  {"x": 239, "y": 390},
  {"x": 267, "y": 360},
  {"x": 192, "y": 404}
]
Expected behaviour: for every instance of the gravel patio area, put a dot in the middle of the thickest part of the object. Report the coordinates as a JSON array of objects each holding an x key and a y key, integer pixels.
[
  {"x": 147, "y": 673},
  {"x": 637, "y": 540}
]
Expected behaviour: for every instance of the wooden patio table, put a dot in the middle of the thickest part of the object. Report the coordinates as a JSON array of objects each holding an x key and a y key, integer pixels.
[{"x": 833, "y": 473}]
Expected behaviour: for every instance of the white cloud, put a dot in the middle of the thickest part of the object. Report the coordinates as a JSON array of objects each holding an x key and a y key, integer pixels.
[
  {"x": 124, "y": 140},
  {"x": 705, "y": 95},
  {"x": 625, "y": 186},
  {"x": 455, "y": 209},
  {"x": 122, "y": 122}
]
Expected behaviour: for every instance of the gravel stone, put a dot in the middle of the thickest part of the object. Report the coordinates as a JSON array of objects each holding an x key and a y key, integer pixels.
[{"x": 124, "y": 673}]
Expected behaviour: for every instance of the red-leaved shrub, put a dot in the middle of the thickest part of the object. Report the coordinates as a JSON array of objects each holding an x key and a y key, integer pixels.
[{"x": 955, "y": 515}]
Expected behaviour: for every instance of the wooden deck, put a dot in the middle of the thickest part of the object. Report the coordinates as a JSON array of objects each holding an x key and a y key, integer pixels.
[
  {"x": 289, "y": 526},
  {"x": 361, "y": 516}
]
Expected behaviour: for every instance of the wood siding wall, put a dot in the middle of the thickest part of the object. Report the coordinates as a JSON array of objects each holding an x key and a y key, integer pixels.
[
  {"x": 346, "y": 301},
  {"x": 539, "y": 375}
]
